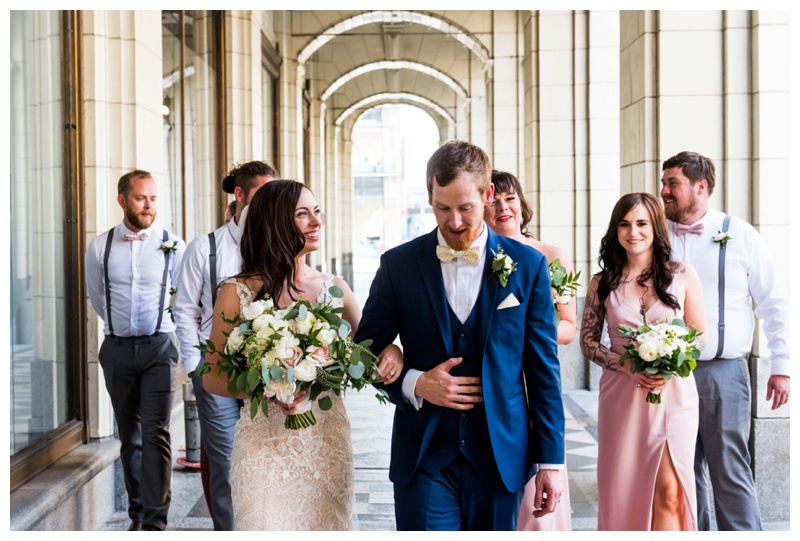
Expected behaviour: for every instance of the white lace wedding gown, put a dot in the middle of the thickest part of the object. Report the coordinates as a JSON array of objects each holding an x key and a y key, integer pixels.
[{"x": 292, "y": 479}]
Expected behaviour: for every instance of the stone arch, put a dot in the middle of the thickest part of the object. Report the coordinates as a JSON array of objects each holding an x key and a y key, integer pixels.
[
  {"x": 414, "y": 17},
  {"x": 394, "y": 65}
]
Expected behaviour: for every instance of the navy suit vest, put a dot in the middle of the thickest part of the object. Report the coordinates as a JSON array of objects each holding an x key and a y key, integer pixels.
[{"x": 462, "y": 431}]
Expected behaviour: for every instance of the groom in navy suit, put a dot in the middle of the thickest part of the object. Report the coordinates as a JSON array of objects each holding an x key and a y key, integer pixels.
[{"x": 478, "y": 405}]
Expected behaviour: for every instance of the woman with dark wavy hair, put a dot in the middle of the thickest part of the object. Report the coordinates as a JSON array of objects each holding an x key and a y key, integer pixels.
[
  {"x": 509, "y": 215},
  {"x": 284, "y": 479},
  {"x": 645, "y": 452}
]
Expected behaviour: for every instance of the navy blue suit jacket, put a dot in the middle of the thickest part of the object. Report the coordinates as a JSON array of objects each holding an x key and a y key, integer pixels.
[{"x": 407, "y": 297}]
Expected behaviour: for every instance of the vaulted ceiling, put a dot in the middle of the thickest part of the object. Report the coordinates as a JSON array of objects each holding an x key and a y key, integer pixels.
[{"x": 394, "y": 56}]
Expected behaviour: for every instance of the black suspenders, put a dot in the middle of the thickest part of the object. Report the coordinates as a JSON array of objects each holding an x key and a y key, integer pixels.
[
  {"x": 163, "y": 285},
  {"x": 105, "y": 276},
  {"x": 721, "y": 290},
  {"x": 212, "y": 267},
  {"x": 108, "y": 285}
]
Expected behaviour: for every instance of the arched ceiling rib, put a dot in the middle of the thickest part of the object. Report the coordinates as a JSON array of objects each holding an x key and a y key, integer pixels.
[
  {"x": 389, "y": 97},
  {"x": 393, "y": 65},
  {"x": 389, "y": 17}
]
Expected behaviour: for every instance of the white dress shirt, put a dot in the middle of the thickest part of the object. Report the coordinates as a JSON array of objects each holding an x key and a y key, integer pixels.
[
  {"x": 750, "y": 275},
  {"x": 194, "y": 306},
  {"x": 462, "y": 285},
  {"x": 135, "y": 270}
]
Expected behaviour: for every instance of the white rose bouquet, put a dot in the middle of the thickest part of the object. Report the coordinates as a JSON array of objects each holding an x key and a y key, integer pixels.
[
  {"x": 563, "y": 285},
  {"x": 664, "y": 348},
  {"x": 272, "y": 354}
]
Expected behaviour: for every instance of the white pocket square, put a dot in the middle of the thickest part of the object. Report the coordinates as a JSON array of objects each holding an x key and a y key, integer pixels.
[{"x": 509, "y": 302}]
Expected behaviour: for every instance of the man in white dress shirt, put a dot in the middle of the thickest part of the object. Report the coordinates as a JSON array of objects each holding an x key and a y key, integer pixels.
[
  {"x": 128, "y": 273},
  {"x": 202, "y": 271},
  {"x": 736, "y": 270}
]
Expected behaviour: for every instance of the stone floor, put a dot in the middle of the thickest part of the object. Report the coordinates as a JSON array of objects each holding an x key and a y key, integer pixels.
[
  {"x": 371, "y": 432},
  {"x": 374, "y": 504}
]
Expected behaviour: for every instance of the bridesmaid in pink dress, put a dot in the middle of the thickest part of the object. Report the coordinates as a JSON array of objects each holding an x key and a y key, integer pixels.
[
  {"x": 645, "y": 458},
  {"x": 509, "y": 216}
]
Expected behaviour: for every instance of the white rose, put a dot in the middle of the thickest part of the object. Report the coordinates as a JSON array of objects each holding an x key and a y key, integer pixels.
[
  {"x": 327, "y": 336},
  {"x": 666, "y": 349},
  {"x": 648, "y": 351},
  {"x": 262, "y": 321},
  {"x": 284, "y": 392},
  {"x": 168, "y": 244},
  {"x": 305, "y": 371},
  {"x": 254, "y": 310},
  {"x": 650, "y": 336},
  {"x": 234, "y": 341},
  {"x": 563, "y": 299}
]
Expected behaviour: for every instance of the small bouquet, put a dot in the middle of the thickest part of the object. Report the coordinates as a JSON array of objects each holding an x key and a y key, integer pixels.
[
  {"x": 563, "y": 285},
  {"x": 272, "y": 354},
  {"x": 664, "y": 348}
]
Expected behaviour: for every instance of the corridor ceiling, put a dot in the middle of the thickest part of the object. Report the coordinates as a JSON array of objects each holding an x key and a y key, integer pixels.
[{"x": 435, "y": 60}]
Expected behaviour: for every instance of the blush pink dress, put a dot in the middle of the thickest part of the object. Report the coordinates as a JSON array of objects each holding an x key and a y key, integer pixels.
[{"x": 632, "y": 434}]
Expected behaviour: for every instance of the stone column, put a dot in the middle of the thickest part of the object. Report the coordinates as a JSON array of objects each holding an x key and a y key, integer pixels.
[
  {"x": 771, "y": 209},
  {"x": 502, "y": 94},
  {"x": 123, "y": 131}
]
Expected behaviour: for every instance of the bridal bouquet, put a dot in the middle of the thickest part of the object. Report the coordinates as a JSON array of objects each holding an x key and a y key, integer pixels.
[
  {"x": 664, "y": 348},
  {"x": 272, "y": 354},
  {"x": 563, "y": 285}
]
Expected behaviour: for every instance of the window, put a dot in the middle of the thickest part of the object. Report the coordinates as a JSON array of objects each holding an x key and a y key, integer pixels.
[
  {"x": 46, "y": 339},
  {"x": 191, "y": 118},
  {"x": 270, "y": 71}
]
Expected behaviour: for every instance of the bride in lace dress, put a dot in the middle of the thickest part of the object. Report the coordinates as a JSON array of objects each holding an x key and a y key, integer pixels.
[{"x": 285, "y": 479}]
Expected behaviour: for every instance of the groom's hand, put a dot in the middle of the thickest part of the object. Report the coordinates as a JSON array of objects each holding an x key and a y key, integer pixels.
[
  {"x": 438, "y": 387},
  {"x": 549, "y": 487}
]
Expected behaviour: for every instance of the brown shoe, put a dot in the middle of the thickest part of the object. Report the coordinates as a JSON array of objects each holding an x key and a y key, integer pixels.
[
  {"x": 150, "y": 528},
  {"x": 136, "y": 526}
]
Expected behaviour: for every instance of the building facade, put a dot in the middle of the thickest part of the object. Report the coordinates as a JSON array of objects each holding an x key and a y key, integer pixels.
[{"x": 582, "y": 106}]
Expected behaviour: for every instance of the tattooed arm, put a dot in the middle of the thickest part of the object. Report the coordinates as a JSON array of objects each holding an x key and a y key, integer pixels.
[{"x": 592, "y": 330}]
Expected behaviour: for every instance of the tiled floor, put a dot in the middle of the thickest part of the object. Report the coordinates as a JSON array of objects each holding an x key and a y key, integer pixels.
[{"x": 373, "y": 508}]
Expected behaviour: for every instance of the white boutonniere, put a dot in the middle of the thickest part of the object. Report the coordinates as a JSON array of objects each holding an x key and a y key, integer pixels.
[
  {"x": 502, "y": 266},
  {"x": 169, "y": 246},
  {"x": 721, "y": 237}
]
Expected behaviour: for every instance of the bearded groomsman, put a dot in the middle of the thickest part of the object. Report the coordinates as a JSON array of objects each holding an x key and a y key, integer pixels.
[
  {"x": 208, "y": 261},
  {"x": 736, "y": 271},
  {"x": 129, "y": 270}
]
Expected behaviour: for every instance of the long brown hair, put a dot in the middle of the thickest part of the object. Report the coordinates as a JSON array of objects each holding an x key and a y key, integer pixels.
[
  {"x": 613, "y": 257},
  {"x": 271, "y": 239}
]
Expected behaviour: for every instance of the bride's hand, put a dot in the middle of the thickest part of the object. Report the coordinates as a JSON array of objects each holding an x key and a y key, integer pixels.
[
  {"x": 390, "y": 364},
  {"x": 296, "y": 405}
]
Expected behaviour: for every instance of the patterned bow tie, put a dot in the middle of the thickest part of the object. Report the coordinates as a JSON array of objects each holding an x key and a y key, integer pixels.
[
  {"x": 131, "y": 236},
  {"x": 695, "y": 229},
  {"x": 445, "y": 253}
]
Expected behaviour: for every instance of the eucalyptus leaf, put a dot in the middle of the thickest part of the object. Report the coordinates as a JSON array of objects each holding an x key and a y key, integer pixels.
[
  {"x": 325, "y": 403},
  {"x": 302, "y": 312},
  {"x": 356, "y": 370},
  {"x": 276, "y": 372},
  {"x": 336, "y": 292}
]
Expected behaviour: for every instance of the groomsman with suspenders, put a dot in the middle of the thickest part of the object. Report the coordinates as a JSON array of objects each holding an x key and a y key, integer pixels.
[
  {"x": 210, "y": 259},
  {"x": 736, "y": 270},
  {"x": 128, "y": 272}
]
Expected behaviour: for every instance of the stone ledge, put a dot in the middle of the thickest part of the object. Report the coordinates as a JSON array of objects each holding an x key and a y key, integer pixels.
[{"x": 46, "y": 493}]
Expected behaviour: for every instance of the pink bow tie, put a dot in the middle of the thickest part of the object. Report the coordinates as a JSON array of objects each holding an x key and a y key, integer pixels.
[
  {"x": 131, "y": 236},
  {"x": 695, "y": 229}
]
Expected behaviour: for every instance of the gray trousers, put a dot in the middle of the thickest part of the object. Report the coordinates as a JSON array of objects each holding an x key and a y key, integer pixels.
[
  {"x": 722, "y": 453},
  {"x": 140, "y": 376},
  {"x": 218, "y": 416}
]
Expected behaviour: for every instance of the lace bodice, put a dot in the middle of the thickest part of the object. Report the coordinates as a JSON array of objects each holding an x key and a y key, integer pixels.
[
  {"x": 247, "y": 296},
  {"x": 292, "y": 479}
]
